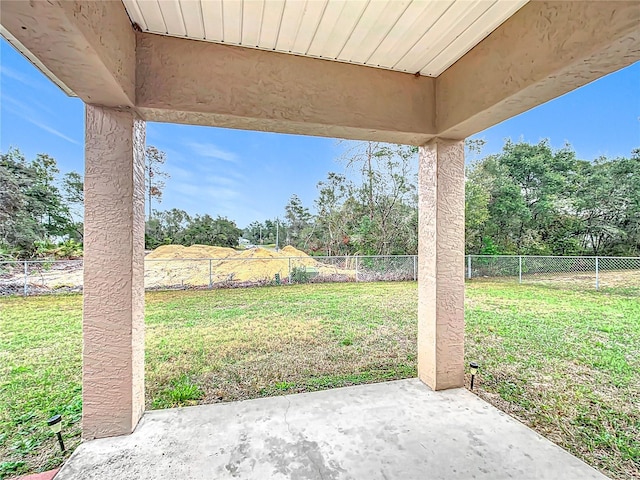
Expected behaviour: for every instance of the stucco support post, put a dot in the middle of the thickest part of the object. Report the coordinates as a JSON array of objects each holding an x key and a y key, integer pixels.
[
  {"x": 113, "y": 316},
  {"x": 441, "y": 264}
]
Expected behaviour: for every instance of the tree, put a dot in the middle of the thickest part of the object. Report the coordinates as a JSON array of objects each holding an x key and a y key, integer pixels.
[
  {"x": 32, "y": 208},
  {"x": 17, "y": 230},
  {"x": 168, "y": 227},
  {"x": 254, "y": 232},
  {"x": 73, "y": 188},
  {"x": 476, "y": 212},
  {"x": 506, "y": 209},
  {"x": 541, "y": 175},
  {"x": 73, "y": 194},
  {"x": 606, "y": 203},
  {"x": 387, "y": 196},
  {"x": 531, "y": 199},
  {"x": 528, "y": 190},
  {"x": 332, "y": 204},
  {"x": 628, "y": 171},
  {"x": 209, "y": 231},
  {"x": 297, "y": 220},
  {"x": 46, "y": 197},
  {"x": 154, "y": 175}
]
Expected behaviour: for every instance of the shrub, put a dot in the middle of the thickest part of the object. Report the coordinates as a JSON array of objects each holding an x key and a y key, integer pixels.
[{"x": 69, "y": 249}]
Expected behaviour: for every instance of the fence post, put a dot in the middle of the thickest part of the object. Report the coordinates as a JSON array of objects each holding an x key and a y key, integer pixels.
[
  {"x": 26, "y": 275},
  {"x": 415, "y": 268},
  {"x": 356, "y": 268},
  {"x": 210, "y": 275},
  {"x": 597, "y": 274},
  {"x": 289, "y": 270},
  {"x": 469, "y": 267},
  {"x": 519, "y": 268}
]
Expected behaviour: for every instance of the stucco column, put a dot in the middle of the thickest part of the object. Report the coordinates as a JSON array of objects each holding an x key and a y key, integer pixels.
[
  {"x": 441, "y": 264},
  {"x": 113, "y": 316}
]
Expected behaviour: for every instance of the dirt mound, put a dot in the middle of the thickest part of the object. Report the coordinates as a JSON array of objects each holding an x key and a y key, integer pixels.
[
  {"x": 259, "y": 253},
  {"x": 290, "y": 251},
  {"x": 299, "y": 258},
  {"x": 171, "y": 266},
  {"x": 194, "y": 251},
  {"x": 199, "y": 264}
]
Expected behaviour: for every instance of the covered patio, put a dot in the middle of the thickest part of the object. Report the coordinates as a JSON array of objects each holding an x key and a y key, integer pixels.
[
  {"x": 420, "y": 72},
  {"x": 393, "y": 430}
]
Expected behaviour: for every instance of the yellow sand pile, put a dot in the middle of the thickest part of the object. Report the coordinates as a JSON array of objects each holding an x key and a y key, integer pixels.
[
  {"x": 299, "y": 258},
  {"x": 255, "y": 264},
  {"x": 194, "y": 251},
  {"x": 175, "y": 265},
  {"x": 171, "y": 265}
]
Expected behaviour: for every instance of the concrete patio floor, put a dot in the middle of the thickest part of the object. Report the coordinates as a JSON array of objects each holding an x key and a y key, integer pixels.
[{"x": 395, "y": 430}]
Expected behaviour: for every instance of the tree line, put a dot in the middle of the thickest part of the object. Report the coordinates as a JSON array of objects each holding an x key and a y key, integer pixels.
[
  {"x": 370, "y": 209},
  {"x": 529, "y": 199},
  {"x": 176, "y": 226},
  {"x": 38, "y": 206},
  {"x": 41, "y": 210},
  {"x": 532, "y": 200}
]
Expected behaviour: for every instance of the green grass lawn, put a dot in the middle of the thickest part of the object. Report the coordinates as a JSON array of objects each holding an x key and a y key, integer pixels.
[{"x": 565, "y": 362}]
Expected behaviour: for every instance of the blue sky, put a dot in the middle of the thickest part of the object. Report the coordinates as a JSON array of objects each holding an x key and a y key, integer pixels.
[{"x": 250, "y": 176}]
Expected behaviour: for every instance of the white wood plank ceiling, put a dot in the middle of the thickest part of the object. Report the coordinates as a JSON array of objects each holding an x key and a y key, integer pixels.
[{"x": 415, "y": 36}]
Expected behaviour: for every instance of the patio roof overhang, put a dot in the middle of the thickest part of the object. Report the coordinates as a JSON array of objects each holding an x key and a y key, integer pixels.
[
  {"x": 223, "y": 62},
  {"x": 489, "y": 62}
]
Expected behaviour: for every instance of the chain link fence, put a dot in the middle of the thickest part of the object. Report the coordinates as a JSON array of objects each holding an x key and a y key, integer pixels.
[
  {"x": 621, "y": 273},
  {"x": 64, "y": 276},
  {"x": 36, "y": 277}
]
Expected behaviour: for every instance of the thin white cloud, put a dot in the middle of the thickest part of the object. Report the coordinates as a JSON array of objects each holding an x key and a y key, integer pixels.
[
  {"x": 223, "y": 193},
  {"x": 219, "y": 180},
  {"x": 204, "y": 176},
  {"x": 204, "y": 192},
  {"x": 20, "y": 77},
  {"x": 30, "y": 114},
  {"x": 32, "y": 108},
  {"x": 202, "y": 199},
  {"x": 53, "y": 131},
  {"x": 217, "y": 170},
  {"x": 151, "y": 131},
  {"x": 205, "y": 198},
  {"x": 209, "y": 150},
  {"x": 179, "y": 172},
  {"x": 187, "y": 189}
]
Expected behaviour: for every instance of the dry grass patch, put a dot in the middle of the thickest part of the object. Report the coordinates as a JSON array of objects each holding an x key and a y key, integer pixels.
[{"x": 240, "y": 344}]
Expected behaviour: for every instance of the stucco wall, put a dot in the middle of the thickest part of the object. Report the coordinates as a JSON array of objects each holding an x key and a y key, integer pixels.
[
  {"x": 440, "y": 264},
  {"x": 89, "y": 46},
  {"x": 247, "y": 88},
  {"x": 546, "y": 49},
  {"x": 113, "y": 317}
]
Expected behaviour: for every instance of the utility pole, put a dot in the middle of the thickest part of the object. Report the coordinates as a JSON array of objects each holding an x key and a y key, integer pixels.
[
  {"x": 149, "y": 190},
  {"x": 277, "y": 233}
]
